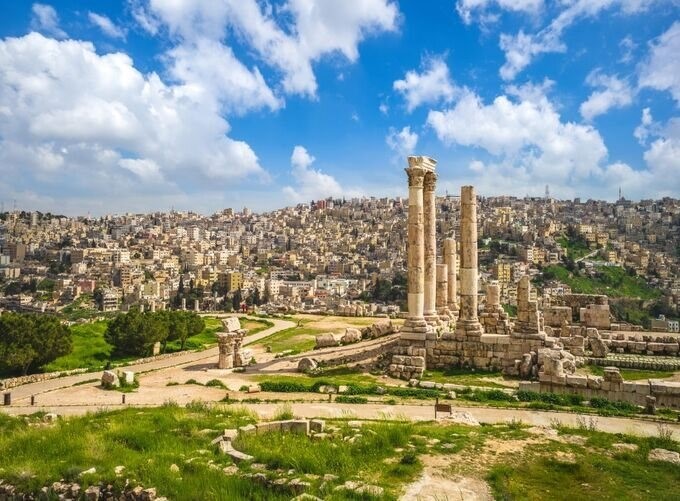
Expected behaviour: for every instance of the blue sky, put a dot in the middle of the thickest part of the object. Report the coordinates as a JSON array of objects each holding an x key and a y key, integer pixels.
[{"x": 149, "y": 104}]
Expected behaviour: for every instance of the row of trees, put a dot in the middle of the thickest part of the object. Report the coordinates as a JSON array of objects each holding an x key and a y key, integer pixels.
[
  {"x": 29, "y": 340},
  {"x": 135, "y": 333}
]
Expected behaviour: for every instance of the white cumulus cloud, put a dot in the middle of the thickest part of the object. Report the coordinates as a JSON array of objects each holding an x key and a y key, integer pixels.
[
  {"x": 106, "y": 25},
  {"x": 46, "y": 20},
  {"x": 288, "y": 39},
  {"x": 468, "y": 9},
  {"x": 613, "y": 92},
  {"x": 310, "y": 183},
  {"x": 522, "y": 48},
  {"x": 83, "y": 124},
  {"x": 661, "y": 71},
  {"x": 403, "y": 142},
  {"x": 427, "y": 87}
]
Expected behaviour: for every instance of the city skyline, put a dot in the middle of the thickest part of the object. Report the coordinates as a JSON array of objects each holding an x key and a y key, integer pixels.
[{"x": 141, "y": 106}]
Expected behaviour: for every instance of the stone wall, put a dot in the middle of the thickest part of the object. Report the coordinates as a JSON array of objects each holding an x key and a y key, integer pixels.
[
  {"x": 555, "y": 316},
  {"x": 610, "y": 386},
  {"x": 489, "y": 352},
  {"x": 6, "y": 384},
  {"x": 642, "y": 344},
  {"x": 578, "y": 301}
]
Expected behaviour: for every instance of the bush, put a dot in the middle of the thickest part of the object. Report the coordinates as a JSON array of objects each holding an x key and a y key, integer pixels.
[
  {"x": 216, "y": 383},
  {"x": 285, "y": 387},
  {"x": 550, "y": 398},
  {"x": 351, "y": 399},
  {"x": 494, "y": 395},
  {"x": 409, "y": 458}
]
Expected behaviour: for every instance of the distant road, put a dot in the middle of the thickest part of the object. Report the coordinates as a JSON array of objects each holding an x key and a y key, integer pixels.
[{"x": 26, "y": 390}]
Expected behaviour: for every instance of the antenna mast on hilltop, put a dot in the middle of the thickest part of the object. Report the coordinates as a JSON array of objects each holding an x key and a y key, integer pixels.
[
  {"x": 620, "y": 197},
  {"x": 547, "y": 191}
]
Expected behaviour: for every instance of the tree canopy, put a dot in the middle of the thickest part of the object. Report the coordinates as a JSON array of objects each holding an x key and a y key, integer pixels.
[
  {"x": 135, "y": 333},
  {"x": 30, "y": 340}
]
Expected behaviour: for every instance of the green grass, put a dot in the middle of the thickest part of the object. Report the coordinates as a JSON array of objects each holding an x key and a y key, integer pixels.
[
  {"x": 594, "y": 471},
  {"x": 384, "y": 453},
  {"x": 610, "y": 280},
  {"x": 91, "y": 351},
  {"x": 204, "y": 338},
  {"x": 336, "y": 376},
  {"x": 296, "y": 339},
  {"x": 33, "y": 457},
  {"x": 464, "y": 377},
  {"x": 575, "y": 249},
  {"x": 632, "y": 374},
  {"x": 255, "y": 325}
]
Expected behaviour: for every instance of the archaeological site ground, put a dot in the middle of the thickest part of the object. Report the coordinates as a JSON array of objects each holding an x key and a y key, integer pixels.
[{"x": 457, "y": 398}]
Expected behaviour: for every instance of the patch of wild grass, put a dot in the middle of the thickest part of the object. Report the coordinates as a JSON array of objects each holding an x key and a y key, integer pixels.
[{"x": 595, "y": 469}]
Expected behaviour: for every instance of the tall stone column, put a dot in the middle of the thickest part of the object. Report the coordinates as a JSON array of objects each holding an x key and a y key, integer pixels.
[
  {"x": 451, "y": 259},
  {"x": 430, "y": 230},
  {"x": 415, "y": 327},
  {"x": 468, "y": 322}
]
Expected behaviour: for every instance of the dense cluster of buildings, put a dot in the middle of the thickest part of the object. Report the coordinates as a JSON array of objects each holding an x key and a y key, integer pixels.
[{"x": 319, "y": 256}]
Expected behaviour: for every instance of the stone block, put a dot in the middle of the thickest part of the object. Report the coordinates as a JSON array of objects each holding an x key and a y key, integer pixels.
[
  {"x": 317, "y": 425},
  {"x": 577, "y": 381},
  {"x": 231, "y": 324},
  {"x": 300, "y": 426},
  {"x": 595, "y": 382}
]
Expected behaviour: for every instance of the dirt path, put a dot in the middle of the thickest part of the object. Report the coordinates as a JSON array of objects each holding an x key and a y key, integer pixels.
[{"x": 412, "y": 412}]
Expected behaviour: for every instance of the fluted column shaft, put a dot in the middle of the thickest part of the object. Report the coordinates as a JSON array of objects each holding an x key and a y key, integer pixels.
[
  {"x": 416, "y": 244},
  {"x": 451, "y": 259},
  {"x": 442, "y": 287},
  {"x": 468, "y": 321},
  {"x": 430, "y": 230}
]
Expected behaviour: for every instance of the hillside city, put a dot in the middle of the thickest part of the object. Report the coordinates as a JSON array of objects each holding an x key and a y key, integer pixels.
[{"x": 340, "y": 256}]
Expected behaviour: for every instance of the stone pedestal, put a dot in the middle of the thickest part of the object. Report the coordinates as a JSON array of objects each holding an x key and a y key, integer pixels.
[{"x": 468, "y": 322}]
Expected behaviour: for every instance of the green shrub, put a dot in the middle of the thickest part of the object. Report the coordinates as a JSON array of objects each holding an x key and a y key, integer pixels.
[
  {"x": 351, "y": 399},
  {"x": 285, "y": 387},
  {"x": 216, "y": 383},
  {"x": 409, "y": 458}
]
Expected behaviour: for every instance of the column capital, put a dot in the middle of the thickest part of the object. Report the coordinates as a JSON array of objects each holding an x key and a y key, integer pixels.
[
  {"x": 416, "y": 177},
  {"x": 430, "y": 181}
]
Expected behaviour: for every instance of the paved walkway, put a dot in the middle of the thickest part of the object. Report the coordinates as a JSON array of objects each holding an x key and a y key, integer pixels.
[{"x": 25, "y": 391}]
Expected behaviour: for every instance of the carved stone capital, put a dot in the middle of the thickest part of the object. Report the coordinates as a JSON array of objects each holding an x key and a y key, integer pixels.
[
  {"x": 416, "y": 177},
  {"x": 430, "y": 181}
]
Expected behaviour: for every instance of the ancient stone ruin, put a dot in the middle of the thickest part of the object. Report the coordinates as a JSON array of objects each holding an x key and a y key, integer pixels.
[
  {"x": 230, "y": 342},
  {"x": 442, "y": 329}
]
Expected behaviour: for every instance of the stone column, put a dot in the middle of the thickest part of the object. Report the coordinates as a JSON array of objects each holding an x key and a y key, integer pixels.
[
  {"x": 226, "y": 346},
  {"x": 430, "y": 231},
  {"x": 415, "y": 326},
  {"x": 451, "y": 258},
  {"x": 493, "y": 297},
  {"x": 468, "y": 322},
  {"x": 442, "y": 292}
]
